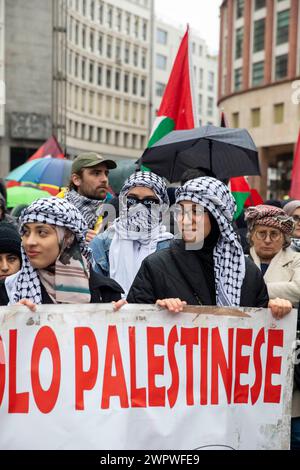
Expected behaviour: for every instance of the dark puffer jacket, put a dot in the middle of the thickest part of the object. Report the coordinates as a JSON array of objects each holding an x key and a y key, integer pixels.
[{"x": 160, "y": 277}]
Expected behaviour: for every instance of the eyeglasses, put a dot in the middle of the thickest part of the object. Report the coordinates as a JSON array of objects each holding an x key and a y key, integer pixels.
[
  {"x": 146, "y": 201},
  {"x": 262, "y": 235},
  {"x": 189, "y": 211},
  {"x": 296, "y": 218}
]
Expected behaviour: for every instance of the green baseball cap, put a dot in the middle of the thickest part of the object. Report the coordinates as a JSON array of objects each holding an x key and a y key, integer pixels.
[{"x": 90, "y": 159}]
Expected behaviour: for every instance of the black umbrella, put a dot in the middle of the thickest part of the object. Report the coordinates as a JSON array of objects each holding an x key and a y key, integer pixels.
[{"x": 224, "y": 152}]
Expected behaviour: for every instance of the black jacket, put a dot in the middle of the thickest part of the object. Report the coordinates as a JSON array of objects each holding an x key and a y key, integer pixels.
[
  {"x": 103, "y": 290},
  {"x": 160, "y": 277}
]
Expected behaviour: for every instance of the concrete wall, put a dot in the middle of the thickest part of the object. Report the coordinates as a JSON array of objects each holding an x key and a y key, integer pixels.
[{"x": 28, "y": 75}]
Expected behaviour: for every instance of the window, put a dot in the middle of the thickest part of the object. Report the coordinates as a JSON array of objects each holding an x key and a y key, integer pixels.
[
  {"x": 281, "y": 67},
  {"x": 159, "y": 88},
  {"x": 76, "y": 33},
  {"x": 117, "y": 108},
  {"x": 235, "y": 119},
  {"x": 278, "y": 113},
  {"x": 161, "y": 36},
  {"x": 83, "y": 38},
  {"x": 161, "y": 61},
  {"x": 259, "y": 35},
  {"x": 84, "y": 7},
  {"x": 128, "y": 22},
  {"x": 126, "y": 83},
  {"x": 100, "y": 44},
  {"x": 136, "y": 27},
  {"x": 101, "y": 13},
  {"x": 258, "y": 73},
  {"x": 210, "y": 106},
  {"x": 99, "y": 104},
  {"x": 259, "y": 4},
  {"x": 99, "y": 77},
  {"x": 110, "y": 17},
  {"x": 283, "y": 19},
  {"x": 144, "y": 31},
  {"x": 144, "y": 59},
  {"x": 255, "y": 117},
  {"x": 134, "y": 85},
  {"x": 76, "y": 66},
  {"x": 109, "y": 47},
  {"x": 200, "y": 104},
  {"x": 200, "y": 78},
  {"x": 127, "y": 53},
  {"x": 238, "y": 76},
  {"x": 92, "y": 41},
  {"x": 83, "y": 69},
  {"x": 119, "y": 20},
  {"x": 91, "y": 102},
  {"x": 117, "y": 80},
  {"x": 135, "y": 57},
  {"x": 211, "y": 81},
  {"x": 91, "y": 72},
  {"x": 92, "y": 10},
  {"x": 143, "y": 87},
  {"x": 108, "y": 78},
  {"x": 240, "y": 8},
  {"x": 118, "y": 50},
  {"x": 239, "y": 36}
]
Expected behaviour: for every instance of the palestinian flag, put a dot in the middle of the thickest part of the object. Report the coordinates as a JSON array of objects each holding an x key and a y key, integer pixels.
[
  {"x": 177, "y": 110},
  {"x": 240, "y": 190},
  {"x": 50, "y": 147}
]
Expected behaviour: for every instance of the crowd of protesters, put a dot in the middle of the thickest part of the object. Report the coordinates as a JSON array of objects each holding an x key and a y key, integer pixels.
[{"x": 66, "y": 250}]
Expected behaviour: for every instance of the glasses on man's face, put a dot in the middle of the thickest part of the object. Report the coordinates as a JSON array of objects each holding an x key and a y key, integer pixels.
[
  {"x": 148, "y": 201},
  {"x": 190, "y": 211},
  {"x": 296, "y": 218},
  {"x": 274, "y": 235}
]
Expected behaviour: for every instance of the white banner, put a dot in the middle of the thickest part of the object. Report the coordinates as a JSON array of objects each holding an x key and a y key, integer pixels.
[{"x": 85, "y": 377}]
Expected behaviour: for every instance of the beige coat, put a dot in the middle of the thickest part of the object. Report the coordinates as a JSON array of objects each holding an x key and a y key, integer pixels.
[{"x": 283, "y": 275}]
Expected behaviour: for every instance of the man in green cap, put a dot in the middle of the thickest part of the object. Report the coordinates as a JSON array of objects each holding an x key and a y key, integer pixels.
[{"x": 88, "y": 187}]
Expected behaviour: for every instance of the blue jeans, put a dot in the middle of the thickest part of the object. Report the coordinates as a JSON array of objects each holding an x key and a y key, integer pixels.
[{"x": 295, "y": 434}]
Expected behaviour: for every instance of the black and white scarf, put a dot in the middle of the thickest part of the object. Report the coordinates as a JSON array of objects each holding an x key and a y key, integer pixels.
[
  {"x": 229, "y": 259},
  {"x": 138, "y": 230},
  {"x": 53, "y": 211},
  {"x": 91, "y": 209}
]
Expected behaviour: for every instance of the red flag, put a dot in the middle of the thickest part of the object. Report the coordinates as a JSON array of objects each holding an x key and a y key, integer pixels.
[
  {"x": 295, "y": 183},
  {"x": 177, "y": 110},
  {"x": 223, "y": 122},
  {"x": 50, "y": 147}
]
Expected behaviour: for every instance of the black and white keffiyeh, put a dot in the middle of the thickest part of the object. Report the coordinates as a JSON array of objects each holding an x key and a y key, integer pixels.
[
  {"x": 53, "y": 211},
  {"x": 138, "y": 229},
  {"x": 229, "y": 259},
  {"x": 90, "y": 209}
]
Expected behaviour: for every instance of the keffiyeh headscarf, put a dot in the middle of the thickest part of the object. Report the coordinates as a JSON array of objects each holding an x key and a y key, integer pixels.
[
  {"x": 229, "y": 259},
  {"x": 138, "y": 229},
  {"x": 270, "y": 216},
  {"x": 71, "y": 277},
  {"x": 91, "y": 209}
]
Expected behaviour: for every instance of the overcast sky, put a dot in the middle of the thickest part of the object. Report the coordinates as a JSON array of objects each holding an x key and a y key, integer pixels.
[{"x": 202, "y": 16}]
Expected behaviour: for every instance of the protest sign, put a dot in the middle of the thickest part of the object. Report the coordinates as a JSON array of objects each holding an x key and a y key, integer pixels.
[{"x": 85, "y": 377}]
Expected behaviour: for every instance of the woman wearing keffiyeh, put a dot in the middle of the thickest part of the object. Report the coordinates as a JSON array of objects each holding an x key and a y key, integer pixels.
[
  {"x": 56, "y": 260},
  {"x": 207, "y": 265}
]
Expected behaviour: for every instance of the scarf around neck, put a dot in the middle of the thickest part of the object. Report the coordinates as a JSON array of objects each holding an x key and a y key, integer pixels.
[{"x": 90, "y": 209}]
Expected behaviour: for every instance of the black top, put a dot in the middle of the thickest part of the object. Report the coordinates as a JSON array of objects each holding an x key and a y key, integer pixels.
[{"x": 175, "y": 272}]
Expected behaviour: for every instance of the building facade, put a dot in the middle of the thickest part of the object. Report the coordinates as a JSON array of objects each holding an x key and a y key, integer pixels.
[
  {"x": 166, "y": 43},
  {"x": 26, "y": 67},
  {"x": 108, "y": 78},
  {"x": 259, "y": 69}
]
